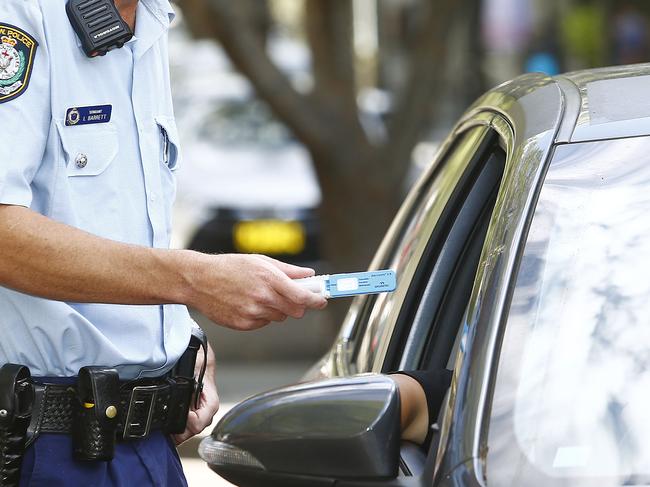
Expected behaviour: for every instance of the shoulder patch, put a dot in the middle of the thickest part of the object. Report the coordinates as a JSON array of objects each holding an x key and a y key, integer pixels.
[{"x": 17, "y": 52}]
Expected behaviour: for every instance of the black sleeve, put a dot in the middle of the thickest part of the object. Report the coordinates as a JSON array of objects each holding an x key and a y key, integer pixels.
[{"x": 435, "y": 384}]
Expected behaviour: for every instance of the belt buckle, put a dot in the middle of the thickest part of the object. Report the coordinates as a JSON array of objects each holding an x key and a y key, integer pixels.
[{"x": 140, "y": 412}]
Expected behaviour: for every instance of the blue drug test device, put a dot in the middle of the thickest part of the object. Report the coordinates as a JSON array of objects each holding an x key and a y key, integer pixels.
[{"x": 350, "y": 284}]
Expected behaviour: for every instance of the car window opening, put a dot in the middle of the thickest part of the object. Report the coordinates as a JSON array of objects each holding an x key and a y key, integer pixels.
[
  {"x": 449, "y": 265},
  {"x": 448, "y": 268},
  {"x": 370, "y": 300},
  {"x": 446, "y": 329}
]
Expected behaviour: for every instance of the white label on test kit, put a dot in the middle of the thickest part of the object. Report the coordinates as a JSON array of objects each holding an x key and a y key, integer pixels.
[
  {"x": 347, "y": 284},
  {"x": 351, "y": 284}
]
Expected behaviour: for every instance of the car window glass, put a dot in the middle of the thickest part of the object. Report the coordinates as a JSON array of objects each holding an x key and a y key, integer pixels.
[{"x": 570, "y": 403}]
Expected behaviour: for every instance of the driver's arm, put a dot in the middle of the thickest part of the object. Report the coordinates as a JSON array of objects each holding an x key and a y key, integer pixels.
[{"x": 421, "y": 396}]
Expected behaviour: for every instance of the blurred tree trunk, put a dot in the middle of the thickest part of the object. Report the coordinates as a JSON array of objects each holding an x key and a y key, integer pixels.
[
  {"x": 476, "y": 79},
  {"x": 362, "y": 180}
]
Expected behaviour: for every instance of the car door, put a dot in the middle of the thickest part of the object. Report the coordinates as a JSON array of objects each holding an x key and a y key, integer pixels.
[{"x": 435, "y": 247}]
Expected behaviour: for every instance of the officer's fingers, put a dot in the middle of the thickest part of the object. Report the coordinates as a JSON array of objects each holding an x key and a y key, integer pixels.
[
  {"x": 210, "y": 397},
  {"x": 204, "y": 418},
  {"x": 181, "y": 438},
  {"x": 205, "y": 415},
  {"x": 293, "y": 271},
  {"x": 265, "y": 316},
  {"x": 195, "y": 422},
  {"x": 287, "y": 307},
  {"x": 248, "y": 324},
  {"x": 297, "y": 295},
  {"x": 272, "y": 314},
  {"x": 199, "y": 419},
  {"x": 279, "y": 317},
  {"x": 263, "y": 307},
  {"x": 242, "y": 317},
  {"x": 190, "y": 429}
]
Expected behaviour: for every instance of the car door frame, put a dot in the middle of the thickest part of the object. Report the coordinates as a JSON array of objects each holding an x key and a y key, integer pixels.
[{"x": 533, "y": 107}]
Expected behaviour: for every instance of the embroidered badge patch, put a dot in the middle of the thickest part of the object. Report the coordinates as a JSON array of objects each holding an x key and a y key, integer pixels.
[
  {"x": 88, "y": 115},
  {"x": 17, "y": 51}
]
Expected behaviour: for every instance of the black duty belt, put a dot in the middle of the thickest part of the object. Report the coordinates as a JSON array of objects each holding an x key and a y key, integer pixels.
[
  {"x": 143, "y": 406},
  {"x": 96, "y": 411}
]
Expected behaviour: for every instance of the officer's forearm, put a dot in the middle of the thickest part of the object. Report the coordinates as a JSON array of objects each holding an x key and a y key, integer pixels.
[{"x": 45, "y": 258}]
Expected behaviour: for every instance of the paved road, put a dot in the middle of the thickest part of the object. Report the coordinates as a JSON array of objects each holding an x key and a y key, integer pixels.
[
  {"x": 198, "y": 475},
  {"x": 237, "y": 381}
]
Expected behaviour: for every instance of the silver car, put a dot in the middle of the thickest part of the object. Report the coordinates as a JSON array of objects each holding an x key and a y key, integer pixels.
[{"x": 523, "y": 259}]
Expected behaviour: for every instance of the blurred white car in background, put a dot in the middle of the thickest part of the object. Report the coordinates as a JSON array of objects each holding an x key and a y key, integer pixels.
[{"x": 245, "y": 185}]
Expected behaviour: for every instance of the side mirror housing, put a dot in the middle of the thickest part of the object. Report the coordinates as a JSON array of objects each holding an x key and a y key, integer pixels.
[{"x": 310, "y": 434}]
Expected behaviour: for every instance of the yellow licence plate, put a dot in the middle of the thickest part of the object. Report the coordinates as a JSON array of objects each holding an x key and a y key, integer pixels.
[{"x": 269, "y": 237}]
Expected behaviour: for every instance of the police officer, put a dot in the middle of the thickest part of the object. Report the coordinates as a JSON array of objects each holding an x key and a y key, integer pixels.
[{"x": 89, "y": 148}]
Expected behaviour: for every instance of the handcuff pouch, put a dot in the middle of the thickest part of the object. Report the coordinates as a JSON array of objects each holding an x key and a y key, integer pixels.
[{"x": 94, "y": 429}]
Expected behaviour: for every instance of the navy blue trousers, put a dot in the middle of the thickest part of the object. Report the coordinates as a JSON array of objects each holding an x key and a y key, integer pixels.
[{"x": 152, "y": 461}]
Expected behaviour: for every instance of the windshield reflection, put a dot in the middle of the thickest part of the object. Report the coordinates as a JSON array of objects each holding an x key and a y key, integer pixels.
[{"x": 573, "y": 385}]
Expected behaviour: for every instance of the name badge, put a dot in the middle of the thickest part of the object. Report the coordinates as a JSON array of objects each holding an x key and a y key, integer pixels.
[{"x": 88, "y": 115}]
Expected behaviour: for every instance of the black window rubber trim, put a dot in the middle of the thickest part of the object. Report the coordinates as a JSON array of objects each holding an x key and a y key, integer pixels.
[{"x": 466, "y": 187}]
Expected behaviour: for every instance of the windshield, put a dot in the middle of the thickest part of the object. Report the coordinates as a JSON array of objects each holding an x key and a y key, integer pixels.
[{"x": 571, "y": 403}]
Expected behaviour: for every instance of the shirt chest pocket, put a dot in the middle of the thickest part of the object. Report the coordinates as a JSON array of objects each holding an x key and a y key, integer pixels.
[
  {"x": 91, "y": 184},
  {"x": 89, "y": 149},
  {"x": 170, "y": 154}
]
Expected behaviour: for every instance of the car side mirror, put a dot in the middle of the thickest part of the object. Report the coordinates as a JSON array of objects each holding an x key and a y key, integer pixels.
[{"x": 310, "y": 434}]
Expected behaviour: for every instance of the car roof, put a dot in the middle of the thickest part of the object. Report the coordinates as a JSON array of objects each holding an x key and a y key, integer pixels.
[
  {"x": 593, "y": 104},
  {"x": 605, "y": 103}
]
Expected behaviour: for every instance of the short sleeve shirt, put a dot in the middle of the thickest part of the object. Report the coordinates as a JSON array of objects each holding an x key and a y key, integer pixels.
[{"x": 92, "y": 143}]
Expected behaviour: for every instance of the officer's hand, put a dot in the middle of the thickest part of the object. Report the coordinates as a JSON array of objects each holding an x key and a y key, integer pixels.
[
  {"x": 246, "y": 292},
  {"x": 201, "y": 418}
]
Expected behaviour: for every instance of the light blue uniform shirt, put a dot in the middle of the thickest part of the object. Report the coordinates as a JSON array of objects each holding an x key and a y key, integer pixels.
[{"x": 114, "y": 179}]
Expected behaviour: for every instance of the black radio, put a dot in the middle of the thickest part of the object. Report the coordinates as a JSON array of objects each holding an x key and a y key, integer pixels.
[{"x": 99, "y": 25}]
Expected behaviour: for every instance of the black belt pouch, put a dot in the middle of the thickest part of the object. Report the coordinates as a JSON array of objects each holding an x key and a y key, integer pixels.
[
  {"x": 180, "y": 398},
  {"x": 94, "y": 429},
  {"x": 16, "y": 400}
]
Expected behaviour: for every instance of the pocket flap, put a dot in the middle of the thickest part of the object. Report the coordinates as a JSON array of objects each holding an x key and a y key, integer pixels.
[{"x": 89, "y": 148}]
